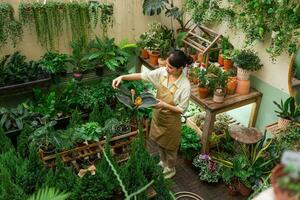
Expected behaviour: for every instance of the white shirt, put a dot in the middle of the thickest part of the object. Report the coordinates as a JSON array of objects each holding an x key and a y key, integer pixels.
[{"x": 181, "y": 85}]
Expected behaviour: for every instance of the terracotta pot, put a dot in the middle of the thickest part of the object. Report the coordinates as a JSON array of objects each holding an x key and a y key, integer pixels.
[
  {"x": 200, "y": 57},
  {"x": 232, "y": 190},
  {"x": 231, "y": 85},
  {"x": 144, "y": 53},
  {"x": 243, "y": 87},
  {"x": 227, "y": 64},
  {"x": 221, "y": 60},
  {"x": 203, "y": 92},
  {"x": 195, "y": 80},
  {"x": 243, "y": 189},
  {"x": 153, "y": 57},
  {"x": 162, "y": 62},
  {"x": 243, "y": 74},
  {"x": 283, "y": 123},
  {"x": 219, "y": 95},
  {"x": 277, "y": 172}
]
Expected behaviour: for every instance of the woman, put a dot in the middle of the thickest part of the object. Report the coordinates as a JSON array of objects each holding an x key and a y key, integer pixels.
[{"x": 173, "y": 93}]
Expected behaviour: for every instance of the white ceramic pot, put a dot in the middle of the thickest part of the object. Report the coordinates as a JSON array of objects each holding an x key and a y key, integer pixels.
[
  {"x": 243, "y": 74},
  {"x": 219, "y": 95}
]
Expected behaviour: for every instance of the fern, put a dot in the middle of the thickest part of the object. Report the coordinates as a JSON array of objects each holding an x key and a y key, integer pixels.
[
  {"x": 5, "y": 143},
  {"x": 49, "y": 194}
]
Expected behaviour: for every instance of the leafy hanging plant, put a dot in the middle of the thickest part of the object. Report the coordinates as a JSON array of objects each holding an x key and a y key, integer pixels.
[
  {"x": 9, "y": 27},
  {"x": 106, "y": 19}
]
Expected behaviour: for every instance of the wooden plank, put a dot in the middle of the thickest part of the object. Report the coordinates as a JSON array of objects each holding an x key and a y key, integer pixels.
[
  {"x": 254, "y": 112},
  {"x": 192, "y": 42},
  {"x": 207, "y": 130},
  {"x": 199, "y": 37},
  {"x": 212, "y": 43}
]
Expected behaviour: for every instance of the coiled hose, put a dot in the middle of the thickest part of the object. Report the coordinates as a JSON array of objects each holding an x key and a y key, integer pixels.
[{"x": 190, "y": 195}]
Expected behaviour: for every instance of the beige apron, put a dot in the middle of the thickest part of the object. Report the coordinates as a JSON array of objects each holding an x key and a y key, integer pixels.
[{"x": 166, "y": 125}]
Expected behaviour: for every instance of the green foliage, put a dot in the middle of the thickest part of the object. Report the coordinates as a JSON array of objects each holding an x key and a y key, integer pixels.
[
  {"x": 90, "y": 131},
  {"x": 12, "y": 119},
  {"x": 97, "y": 116},
  {"x": 153, "y": 7},
  {"x": 209, "y": 170},
  {"x": 49, "y": 194},
  {"x": 288, "y": 109},
  {"x": 45, "y": 103},
  {"x": 9, "y": 190},
  {"x": 9, "y": 27},
  {"x": 52, "y": 18},
  {"x": 53, "y": 62},
  {"x": 107, "y": 53},
  {"x": 78, "y": 59},
  {"x": 156, "y": 37},
  {"x": 61, "y": 177},
  {"x": 76, "y": 119},
  {"x": 287, "y": 140},
  {"x": 100, "y": 186},
  {"x": 5, "y": 143},
  {"x": 23, "y": 141},
  {"x": 189, "y": 142},
  {"x": 257, "y": 19},
  {"x": 15, "y": 70},
  {"x": 248, "y": 60},
  {"x": 106, "y": 17}
]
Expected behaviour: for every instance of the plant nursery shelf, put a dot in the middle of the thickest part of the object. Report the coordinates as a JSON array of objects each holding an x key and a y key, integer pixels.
[
  {"x": 89, "y": 149},
  {"x": 212, "y": 109},
  {"x": 25, "y": 87}
]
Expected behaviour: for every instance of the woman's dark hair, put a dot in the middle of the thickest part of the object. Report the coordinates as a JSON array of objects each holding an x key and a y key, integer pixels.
[{"x": 177, "y": 58}]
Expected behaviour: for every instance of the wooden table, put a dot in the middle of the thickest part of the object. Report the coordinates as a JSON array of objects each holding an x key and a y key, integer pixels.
[{"x": 212, "y": 109}]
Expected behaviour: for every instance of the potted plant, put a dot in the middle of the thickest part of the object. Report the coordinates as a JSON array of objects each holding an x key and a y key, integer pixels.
[
  {"x": 78, "y": 59},
  {"x": 246, "y": 61},
  {"x": 209, "y": 170},
  {"x": 203, "y": 84},
  {"x": 227, "y": 56},
  {"x": 289, "y": 110},
  {"x": 189, "y": 143},
  {"x": 285, "y": 180},
  {"x": 107, "y": 54},
  {"x": 89, "y": 132},
  {"x": 55, "y": 64},
  {"x": 165, "y": 43},
  {"x": 219, "y": 92},
  {"x": 225, "y": 46},
  {"x": 193, "y": 74},
  {"x": 231, "y": 82}
]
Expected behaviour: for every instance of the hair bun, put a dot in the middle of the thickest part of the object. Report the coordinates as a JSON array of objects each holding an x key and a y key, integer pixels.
[{"x": 189, "y": 60}]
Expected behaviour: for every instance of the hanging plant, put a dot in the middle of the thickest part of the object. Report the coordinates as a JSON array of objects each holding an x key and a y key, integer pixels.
[
  {"x": 9, "y": 27},
  {"x": 46, "y": 18},
  {"x": 51, "y": 19},
  {"x": 106, "y": 17},
  {"x": 79, "y": 20}
]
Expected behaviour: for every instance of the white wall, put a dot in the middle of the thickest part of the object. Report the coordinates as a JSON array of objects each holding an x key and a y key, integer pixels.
[
  {"x": 129, "y": 22},
  {"x": 274, "y": 74}
]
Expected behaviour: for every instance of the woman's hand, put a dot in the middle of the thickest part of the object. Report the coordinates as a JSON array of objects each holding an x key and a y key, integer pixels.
[
  {"x": 116, "y": 82},
  {"x": 160, "y": 104}
]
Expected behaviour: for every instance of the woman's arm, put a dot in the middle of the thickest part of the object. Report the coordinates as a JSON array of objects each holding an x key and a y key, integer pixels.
[
  {"x": 162, "y": 104},
  {"x": 129, "y": 77}
]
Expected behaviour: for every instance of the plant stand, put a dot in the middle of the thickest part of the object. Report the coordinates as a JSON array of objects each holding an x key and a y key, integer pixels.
[
  {"x": 26, "y": 87},
  {"x": 93, "y": 149}
]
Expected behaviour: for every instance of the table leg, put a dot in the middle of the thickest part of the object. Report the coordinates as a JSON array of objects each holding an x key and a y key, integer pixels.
[
  {"x": 254, "y": 112},
  {"x": 207, "y": 130}
]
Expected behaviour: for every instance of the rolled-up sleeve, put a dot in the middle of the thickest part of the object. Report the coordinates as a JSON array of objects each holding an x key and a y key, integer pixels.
[
  {"x": 184, "y": 100},
  {"x": 152, "y": 76}
]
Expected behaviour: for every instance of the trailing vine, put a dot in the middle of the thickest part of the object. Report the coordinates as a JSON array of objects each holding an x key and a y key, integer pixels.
[
  {"x": 9, "y": 27},
  {"x": 257, "y": 19},
  {"x": 51, "y": 19}
]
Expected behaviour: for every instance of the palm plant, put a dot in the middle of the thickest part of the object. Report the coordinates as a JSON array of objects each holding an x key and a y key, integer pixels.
[{"x": 49, "y": 194}]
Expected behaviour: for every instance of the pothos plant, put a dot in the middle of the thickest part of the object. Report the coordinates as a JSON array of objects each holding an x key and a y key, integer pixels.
[{"x": 9, "y": 27}]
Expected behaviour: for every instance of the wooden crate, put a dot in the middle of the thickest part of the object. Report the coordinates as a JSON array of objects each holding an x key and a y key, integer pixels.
[{"x": 273, "y": 128}]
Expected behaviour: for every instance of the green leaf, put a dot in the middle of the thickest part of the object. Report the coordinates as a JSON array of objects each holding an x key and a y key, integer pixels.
[
  {"x": 153, "y": 7},
  {"x": 49, "y": 194}
]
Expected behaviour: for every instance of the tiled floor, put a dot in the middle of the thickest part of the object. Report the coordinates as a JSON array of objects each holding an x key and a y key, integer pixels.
[{"x": 186, "y": 179}]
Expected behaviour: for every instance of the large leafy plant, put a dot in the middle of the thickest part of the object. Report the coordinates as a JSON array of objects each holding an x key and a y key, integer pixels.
[
  {"x": 14, "y": 70},
  {"x": 53, "y": 62},
  {"x": 248, "y": 60},
  {"x": 106, "y": 52},
  {"x": 288, "y": 109},
  {"x": 11, "y": 119},
  {"x": 78, "y": 58},
  {"x": 90, "y": 131},
  {"x": 189, "y": 142}
]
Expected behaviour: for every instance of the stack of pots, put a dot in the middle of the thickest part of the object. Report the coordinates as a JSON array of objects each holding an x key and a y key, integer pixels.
[{"x": 243, "y": 82}]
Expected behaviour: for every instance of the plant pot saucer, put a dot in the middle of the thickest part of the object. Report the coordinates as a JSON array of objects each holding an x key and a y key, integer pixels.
[{"x": 245, "y": 135}]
